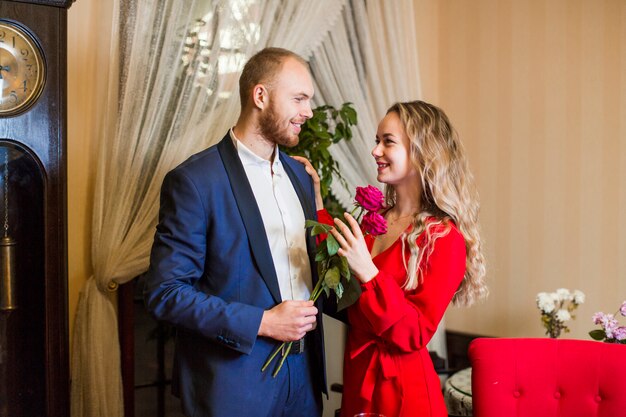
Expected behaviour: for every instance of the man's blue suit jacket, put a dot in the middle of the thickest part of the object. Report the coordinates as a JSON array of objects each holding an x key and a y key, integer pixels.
[{"x": 211, "y": 275}]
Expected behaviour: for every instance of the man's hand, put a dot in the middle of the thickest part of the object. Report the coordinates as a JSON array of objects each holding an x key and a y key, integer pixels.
[{"x": 289, "y": 320}]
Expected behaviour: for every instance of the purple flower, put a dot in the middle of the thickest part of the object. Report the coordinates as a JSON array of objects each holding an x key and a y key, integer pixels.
[
  {"x": 598, "y": 317},
  {"x": 619, "y": 333},
  {"x": 609, "y": 324},
  {"x": 611, "y": 330},
  {"x": 370, "y": 198},
  {"x": 374, "y": 224}
]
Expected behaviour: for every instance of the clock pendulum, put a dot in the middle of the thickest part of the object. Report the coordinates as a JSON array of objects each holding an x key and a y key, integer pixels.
[{"x": 8, "y": 273}]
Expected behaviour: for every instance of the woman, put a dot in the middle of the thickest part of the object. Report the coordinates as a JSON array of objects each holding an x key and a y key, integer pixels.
[{"x": 430, "y": 255}]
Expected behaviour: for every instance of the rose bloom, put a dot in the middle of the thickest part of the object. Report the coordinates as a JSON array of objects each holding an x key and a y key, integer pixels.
[
  {"x": 374, "y": 224},
  {"x": 622, "y": 309},
  {"x": 370, "y": 198}
]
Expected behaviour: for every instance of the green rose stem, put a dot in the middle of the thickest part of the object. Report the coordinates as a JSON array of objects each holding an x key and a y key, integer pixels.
[
  {"x": 320, "y": 287},
  {"x": 358, "y": 218},
  {"x": 314, "y": 296}
]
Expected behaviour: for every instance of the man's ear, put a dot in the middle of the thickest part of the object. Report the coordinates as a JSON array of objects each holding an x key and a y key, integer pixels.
[{"x": 260, "y": 96}]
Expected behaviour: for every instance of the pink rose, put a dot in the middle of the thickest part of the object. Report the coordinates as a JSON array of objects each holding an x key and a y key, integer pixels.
[
  {"x": 622, "y": 309},
  {"x": 374, "y": 224},
  {"x": 370, "y": 198}
]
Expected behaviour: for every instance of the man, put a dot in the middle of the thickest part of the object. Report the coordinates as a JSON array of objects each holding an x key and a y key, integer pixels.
[{"x": 231, "y": 264}]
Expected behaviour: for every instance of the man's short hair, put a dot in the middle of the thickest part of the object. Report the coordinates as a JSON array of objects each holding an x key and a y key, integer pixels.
[{"x": 262, "y": 67}]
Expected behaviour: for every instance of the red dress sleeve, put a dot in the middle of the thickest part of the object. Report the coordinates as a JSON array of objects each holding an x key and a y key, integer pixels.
[
  {"x": 407, "y": 320},
  {"x": 323, "y": 216}
]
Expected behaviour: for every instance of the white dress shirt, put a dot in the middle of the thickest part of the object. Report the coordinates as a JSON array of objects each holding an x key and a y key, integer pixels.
[{"x": 283, "y": 219}]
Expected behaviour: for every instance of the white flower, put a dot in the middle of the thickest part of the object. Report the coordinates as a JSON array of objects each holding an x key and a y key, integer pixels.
[
  {"x": 545, "y": 302},
  {"x": 579, "y": 297},
  {"x": 563, "y": 294},
  {"x": 563, "y": 315}
]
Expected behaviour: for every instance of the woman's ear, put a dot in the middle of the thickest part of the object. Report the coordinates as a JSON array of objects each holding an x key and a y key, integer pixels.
[{"x": 260, "y": 96}]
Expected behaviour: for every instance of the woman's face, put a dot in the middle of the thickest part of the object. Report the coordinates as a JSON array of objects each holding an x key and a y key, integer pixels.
[{"x": 392, "y": 152}]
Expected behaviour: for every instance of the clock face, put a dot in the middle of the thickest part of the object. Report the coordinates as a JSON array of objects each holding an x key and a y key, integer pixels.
[{"x": 22, "y": 69}]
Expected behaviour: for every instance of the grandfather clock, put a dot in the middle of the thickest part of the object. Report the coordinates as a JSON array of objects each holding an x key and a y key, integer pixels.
[{"x": 34, "y": 363}]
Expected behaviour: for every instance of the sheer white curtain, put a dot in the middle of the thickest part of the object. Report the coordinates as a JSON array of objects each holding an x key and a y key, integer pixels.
[
  {"x": 371, "y": 59},
  {"x": 169, "y": 89}
]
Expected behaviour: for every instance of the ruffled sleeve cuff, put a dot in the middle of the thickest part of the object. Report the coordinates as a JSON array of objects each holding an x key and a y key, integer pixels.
[{"x": 323, "y": 216}]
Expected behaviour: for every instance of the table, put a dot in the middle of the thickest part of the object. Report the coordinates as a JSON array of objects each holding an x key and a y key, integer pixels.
[{"x": 457, "y": 393}]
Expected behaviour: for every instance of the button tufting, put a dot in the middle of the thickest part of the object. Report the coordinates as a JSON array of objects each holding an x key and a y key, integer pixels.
[
  {"x": 516, "y": 394},
  {"x": 557, "y": 395},
  {"x": 598, "y": 398}
]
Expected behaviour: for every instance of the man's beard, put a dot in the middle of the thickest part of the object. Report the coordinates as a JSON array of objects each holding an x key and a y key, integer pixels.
[{"x": 270, "y": 127}]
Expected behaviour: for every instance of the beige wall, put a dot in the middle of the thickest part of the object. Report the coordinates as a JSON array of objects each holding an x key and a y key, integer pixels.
[
  {"x": 537, "y": 91},
  {"x": 80, "y": 146}
]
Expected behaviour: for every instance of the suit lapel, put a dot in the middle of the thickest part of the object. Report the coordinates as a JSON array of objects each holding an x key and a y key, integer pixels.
[
  {"x": 297, "y": 185},
  {"x": 250, "y": 214}
]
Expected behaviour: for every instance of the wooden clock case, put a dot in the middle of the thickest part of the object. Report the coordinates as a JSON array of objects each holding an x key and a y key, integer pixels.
[{"x": 34, "y": 369}]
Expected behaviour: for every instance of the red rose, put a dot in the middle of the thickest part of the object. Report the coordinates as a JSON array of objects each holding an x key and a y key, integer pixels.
[
  {"x": 374, "y": 224},
  {"x": 370, "y": 198}
]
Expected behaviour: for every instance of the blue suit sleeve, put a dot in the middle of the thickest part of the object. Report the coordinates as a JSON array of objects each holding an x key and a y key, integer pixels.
[{"x": 177, "y": 265}]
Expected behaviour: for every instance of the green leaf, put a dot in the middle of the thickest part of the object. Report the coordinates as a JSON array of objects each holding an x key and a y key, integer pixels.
[
  {"x": 339, "y": 290},
  {"x": 319, "y": 230},
  {"x": 321, "y": 255},
  {"x": 332, "y": 245},
  {"x": 597, "y": 334},
  {"x": 311, "y": 223},
  {"x": 350, "y": 113},
  {"x": 332, "y": 277},
  {"x": 344, "y": 268},
  {"x": 352, "y": 292},
  {"x": 324, "y": 134},
  {"x": 326, "y": 290}
]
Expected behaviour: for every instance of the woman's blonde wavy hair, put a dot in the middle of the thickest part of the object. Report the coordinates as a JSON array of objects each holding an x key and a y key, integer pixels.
[{"x": 448, "y": 194}]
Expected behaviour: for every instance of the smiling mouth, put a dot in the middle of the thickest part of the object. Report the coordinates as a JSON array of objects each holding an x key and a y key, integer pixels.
[
  {"x": 297, "y": 126},
  {"x": 381, "y": 165}
]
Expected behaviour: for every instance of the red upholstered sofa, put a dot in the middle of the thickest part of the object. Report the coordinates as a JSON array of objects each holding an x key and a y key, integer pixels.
[{"x": 547, "y": 378}]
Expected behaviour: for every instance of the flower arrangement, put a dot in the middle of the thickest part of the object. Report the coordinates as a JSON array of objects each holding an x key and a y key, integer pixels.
[
  {"x": 333, "y": 270},
  {"x": 611, "y": 332},
  {"x": 556, "y": 309}
]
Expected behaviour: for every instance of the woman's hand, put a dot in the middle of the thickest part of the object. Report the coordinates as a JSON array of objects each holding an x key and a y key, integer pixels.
[
  {"x": 319, "y": 202},
  {"x": 354, "y": 248}
]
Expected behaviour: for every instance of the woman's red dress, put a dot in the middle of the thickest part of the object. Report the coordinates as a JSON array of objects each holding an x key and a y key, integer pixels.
[{"x": 387, "y": 367}]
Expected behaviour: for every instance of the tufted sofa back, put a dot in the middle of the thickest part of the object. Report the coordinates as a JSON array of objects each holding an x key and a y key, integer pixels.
[{"x": 547, "y": 378}]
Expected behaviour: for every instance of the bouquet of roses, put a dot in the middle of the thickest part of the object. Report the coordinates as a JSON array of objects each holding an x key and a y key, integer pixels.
[
  {"x": 333, "y": 270},
  {"x": 611, "y": 331}
]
